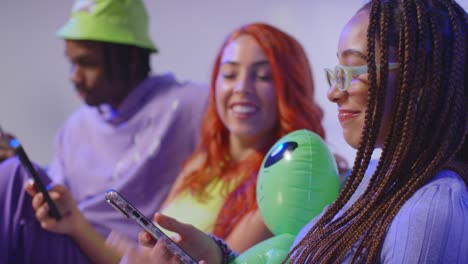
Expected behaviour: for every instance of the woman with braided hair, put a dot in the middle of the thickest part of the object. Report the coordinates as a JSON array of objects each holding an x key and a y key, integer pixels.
[{"x": 400, "y": 86}]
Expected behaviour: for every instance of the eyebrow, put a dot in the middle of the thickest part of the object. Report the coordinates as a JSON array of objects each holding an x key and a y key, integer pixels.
[
  {"x": 256, "y": 64},
  {"x": 80, "y": 58},
  {"x": 349, "y": 52}
]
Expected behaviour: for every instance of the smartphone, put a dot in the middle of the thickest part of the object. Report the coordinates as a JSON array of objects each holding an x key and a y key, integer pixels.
[
  {"x": 122, "y": 205},
  {"x": 40, "y": 186}
]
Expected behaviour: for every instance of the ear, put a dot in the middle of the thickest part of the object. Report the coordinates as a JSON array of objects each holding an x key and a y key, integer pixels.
[
  {"x": 133, "y": 62},
  {"x": 139, "y": 63}
]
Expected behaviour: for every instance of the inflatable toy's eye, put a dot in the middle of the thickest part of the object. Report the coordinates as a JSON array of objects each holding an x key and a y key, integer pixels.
[{"x": 283, "y": 150}]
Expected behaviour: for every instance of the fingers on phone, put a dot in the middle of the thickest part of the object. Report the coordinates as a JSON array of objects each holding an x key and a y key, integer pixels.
[
  {"x": 37, "y": 201},
  {"x": 30, "y": 188},
  {"x": 176, "y": 238},
  {"x": 42, "y": 213},
  {"x": 41, "y": 208},
  {"x": 55, "y": 196},
  {"x": 167, "y": 222},
  {"x": 146, "y": 239},
  {"x": 160, "y": 251}
]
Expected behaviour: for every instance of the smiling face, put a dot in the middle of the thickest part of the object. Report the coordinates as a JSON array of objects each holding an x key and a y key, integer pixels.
[
  {"x": 246, "y": 99},
  {"x": 352, "y": 103}
]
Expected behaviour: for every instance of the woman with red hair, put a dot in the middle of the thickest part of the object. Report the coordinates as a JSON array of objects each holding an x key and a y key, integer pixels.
[{"x": 261, "y": 89}]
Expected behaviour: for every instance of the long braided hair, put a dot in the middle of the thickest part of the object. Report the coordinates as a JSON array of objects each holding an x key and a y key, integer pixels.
[{"x": 427, "y": 132}]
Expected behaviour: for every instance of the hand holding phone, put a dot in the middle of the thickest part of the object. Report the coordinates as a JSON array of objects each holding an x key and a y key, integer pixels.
[
  {"x": 122, "y": 205},
  {"x": 14, "y": 145}
]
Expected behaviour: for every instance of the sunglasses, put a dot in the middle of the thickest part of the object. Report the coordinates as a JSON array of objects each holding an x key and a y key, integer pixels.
[{"x": 342, "y": 75}]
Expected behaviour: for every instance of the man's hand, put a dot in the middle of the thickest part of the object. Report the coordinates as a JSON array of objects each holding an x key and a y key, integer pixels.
[{"x": 72, "y": 219}]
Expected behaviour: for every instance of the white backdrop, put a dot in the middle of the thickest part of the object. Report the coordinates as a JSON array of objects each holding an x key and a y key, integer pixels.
[{"x": 36, "y": 96}]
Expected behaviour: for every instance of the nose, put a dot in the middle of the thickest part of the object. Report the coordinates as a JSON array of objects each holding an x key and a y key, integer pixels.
[
  {"x": 243, "y": 85},
  {"x": 334, "y": 95},
  {"x": 76, "y": 76}
]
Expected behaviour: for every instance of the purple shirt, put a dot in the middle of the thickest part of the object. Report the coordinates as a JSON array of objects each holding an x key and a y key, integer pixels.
[
  {"x": 138, "y": 150},
  {"x": 431, "y": 227}
]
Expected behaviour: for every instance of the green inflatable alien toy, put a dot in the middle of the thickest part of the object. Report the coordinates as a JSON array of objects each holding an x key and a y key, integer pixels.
[{"x": 297, "y": 179}]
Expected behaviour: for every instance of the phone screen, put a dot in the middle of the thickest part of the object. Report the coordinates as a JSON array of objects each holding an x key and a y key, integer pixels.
[{"x": 126, "y": 208}]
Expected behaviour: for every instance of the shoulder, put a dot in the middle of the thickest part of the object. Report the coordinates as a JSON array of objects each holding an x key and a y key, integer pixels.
[
  {"x": 193, "y": 164},
  {"x": 182, "y": 95},
  {"x": 431, "y": 225},
  {"x": 437, "y": 201},
  {"x": 193, "y": 94},
  {"x": 446, "y": 188},
  {"x": 174, "y": 86},
  {"x": 190, "y": 166}
]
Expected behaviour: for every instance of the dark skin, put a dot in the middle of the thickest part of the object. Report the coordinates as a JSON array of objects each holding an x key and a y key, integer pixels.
[
  {"x": 88, "y": 75},
  {"x": 5, "y": 151}
]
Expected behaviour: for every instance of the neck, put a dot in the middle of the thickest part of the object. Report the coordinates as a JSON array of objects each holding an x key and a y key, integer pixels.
[
  {"x": 126, "y": 89},
  {"x": 241, "y": 148}
]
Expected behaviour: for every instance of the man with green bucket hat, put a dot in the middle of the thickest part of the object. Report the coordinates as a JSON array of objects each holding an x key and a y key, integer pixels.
[{"x": 132, "y": 135}]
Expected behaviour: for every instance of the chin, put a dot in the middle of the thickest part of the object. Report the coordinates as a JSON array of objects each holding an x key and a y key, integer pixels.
[
  {"x": 88, "y": 103},
  {"x": 352, "y": 141},
  {"x": 93, "y": 102},
  {"x": 354, "y": 145},
  {"x": 247, "y": 133}
]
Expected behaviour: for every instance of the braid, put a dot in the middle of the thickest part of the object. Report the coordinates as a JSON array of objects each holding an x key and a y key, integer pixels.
[
  {"x": 458, "y": 69},
  {"x": 432, "y": 95},
  {"x": 358, "y": 224},
  {"x": 316, "y": 238},
  {"x": 428, "y": 126}
]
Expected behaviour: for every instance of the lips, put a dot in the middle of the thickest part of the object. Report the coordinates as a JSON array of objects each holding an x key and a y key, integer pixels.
[
  {"x": 82, "y": 92},
  {"x": 346, "y": 115}
]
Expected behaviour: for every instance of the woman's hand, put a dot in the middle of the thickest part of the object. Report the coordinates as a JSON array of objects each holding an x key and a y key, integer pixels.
[
  {"x": 146, "y": 239},
  {"x": 196, "y": 243},
  {"x": 72, "y": 219}
]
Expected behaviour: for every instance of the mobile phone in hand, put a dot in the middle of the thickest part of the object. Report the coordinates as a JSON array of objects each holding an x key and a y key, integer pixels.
[
  {"x": 40, "y": 186},
  {"x": 122, "y": 205}
]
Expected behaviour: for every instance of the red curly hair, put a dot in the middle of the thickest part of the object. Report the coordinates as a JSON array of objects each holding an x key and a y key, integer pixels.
[{"x": 297, "y": 109}]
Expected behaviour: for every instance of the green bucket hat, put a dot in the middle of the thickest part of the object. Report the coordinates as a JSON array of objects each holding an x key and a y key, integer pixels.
[{"x": 114, "y": 21}]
